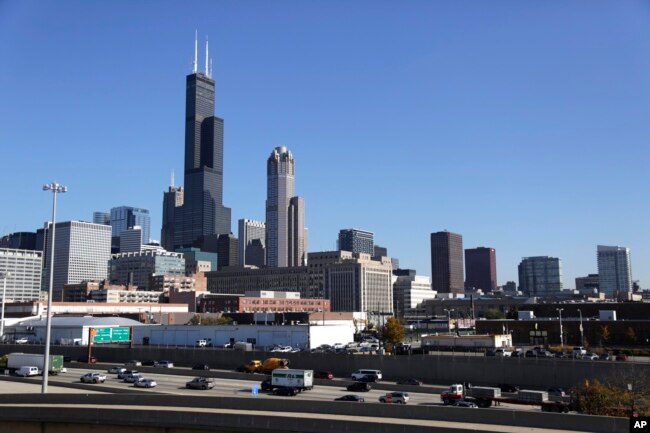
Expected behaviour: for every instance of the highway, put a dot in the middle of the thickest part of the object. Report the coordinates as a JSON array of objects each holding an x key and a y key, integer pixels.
[{"x": 236, "y": 388}]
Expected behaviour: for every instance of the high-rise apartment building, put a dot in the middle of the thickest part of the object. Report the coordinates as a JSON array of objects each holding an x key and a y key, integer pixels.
[
  {"x": 447, "y": 262},
  {"x": 356, "y": 241},
  {"x": 481, "y": 269},
  {"x": 540, "y": 276},
  {"x": 127, "y": 217},
  {"x": 81, "y": 252},
  {"x": 202, "y": 212},
  {"x": 22, "y": 269},
  {"x": 285, "y": 225},
  {"x": 614, "y": 270},
  {"x": 249, "y": 231}
]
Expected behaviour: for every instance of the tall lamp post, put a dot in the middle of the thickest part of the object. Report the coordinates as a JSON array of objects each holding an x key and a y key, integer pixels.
[
  {"x": 559, "y": 310},
  {"x": 4, "y": 276},
  {"x": 55, "y": 188},
  {"x": 449, "y": 320},
  {"x": 582, "y": 335}
]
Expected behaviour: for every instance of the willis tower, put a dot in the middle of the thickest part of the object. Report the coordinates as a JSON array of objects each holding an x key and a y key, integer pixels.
[{"x": 195, "y": 213}]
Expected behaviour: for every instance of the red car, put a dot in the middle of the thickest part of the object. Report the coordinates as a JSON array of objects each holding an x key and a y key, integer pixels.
[{"x": 323, "y": 375}]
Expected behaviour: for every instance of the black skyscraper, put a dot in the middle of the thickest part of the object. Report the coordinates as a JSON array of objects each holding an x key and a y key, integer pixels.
[{"x": 201, "y": 212}]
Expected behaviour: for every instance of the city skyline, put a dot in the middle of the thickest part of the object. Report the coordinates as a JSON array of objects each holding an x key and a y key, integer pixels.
[{"x": 529, "y": 107}]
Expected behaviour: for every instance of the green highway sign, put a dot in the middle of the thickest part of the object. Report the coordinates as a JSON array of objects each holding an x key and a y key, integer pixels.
[
  {"x": 107, "y": 335},
  {"x": 120, "y": 334}
]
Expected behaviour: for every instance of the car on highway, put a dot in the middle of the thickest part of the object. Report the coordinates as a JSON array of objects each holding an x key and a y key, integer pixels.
[
  {"x": 323, "y": 375},
  {"x": 23, "y": 340},
  {"x": 116, "y": 370},
  {"x": 132, "y": 377},
  {"x": 556, "y": 392},
  {"x": 351, "y": 397},
  {"x": 200, "y": 383},
  {"x": 359, "y": 387},
  {"x": 164, "y": 364},
  {"x": 133, "y": 362},
  {"x": 621, "y": 357},
  {"x": 410, "y": 381},
  {"x": 87, "y": 360},
  {"x": 149, "y": 363},
  {"x": 93, "y": 377},
  {"x": 396, "y": 397},
  {"x": 287, "y": 391},
  {"x": 201, "y": 367},
  {"x": 143, "y": 382},
  {"x": 461, "y": 402},
  {"x": 605, "y": 357},
  {"x": 122, "y": 373},
  {"x": 28, "y": 370},
  {"x": 590, "y": 357},
  {"x": 367, "y": 375}
]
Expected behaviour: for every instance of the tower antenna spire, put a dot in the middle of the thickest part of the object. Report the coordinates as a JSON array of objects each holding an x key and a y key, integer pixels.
[
  {"x": 196, "y": 51},
  {"x": 172, "y": 180},
  {"x": 210, "y": 67},
  {"x": 206, "y": 57}
]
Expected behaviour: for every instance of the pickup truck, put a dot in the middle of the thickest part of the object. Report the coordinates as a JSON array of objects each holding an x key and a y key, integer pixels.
[{"x": 200, "y": 383}]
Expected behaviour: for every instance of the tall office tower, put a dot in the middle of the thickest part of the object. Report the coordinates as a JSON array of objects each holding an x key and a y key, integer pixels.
[
  {"x": 285, "y": 229},
  {"x": 82, "y": 251},
  {"x": 131, "y": 240},
  {"x": 250, "y": 230},
  {"x": 447, "y": 262},
  {"x": 357, "y": 241},
  {"x": 481, "y": 269},
  {"x": 172, "y": 200},
  {"x": 23, "y": 269},
  {"x": 102, "y": 218},
  {"x": 380, "y": 251},
  {"x": 614, "y": 270},
  {"x": 202, "y": 212},
  {"x": 227, "y": 248},
  {"x": 540, "y": 276},
  {"x": 19, "y": 241},
  {"x": 127, "y": 217}
]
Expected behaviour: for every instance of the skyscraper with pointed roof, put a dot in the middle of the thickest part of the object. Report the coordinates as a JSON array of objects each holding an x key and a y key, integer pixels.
[{"x": 200, "y": 211}]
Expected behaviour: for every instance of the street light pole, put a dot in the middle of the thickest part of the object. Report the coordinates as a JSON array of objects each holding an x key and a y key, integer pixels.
[
  {"x": 54, "y": 187},
  {"x": 561, "y": 334},
  {"x": 582, "y": 336},
  {"x": 449, "y": 320},
  {"x": 4, "y": 276}
]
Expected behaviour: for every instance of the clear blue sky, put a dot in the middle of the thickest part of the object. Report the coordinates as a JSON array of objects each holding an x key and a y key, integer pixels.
[{"x": 524, "y": 126}]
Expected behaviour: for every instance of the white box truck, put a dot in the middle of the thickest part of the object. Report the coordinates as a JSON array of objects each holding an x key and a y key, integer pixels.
[
  {"x": 17, "y": 360},
  {"x": 292, "y": 378}
]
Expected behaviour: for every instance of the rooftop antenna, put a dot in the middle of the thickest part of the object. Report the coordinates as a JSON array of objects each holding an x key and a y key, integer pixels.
[
  {"x": 196, "y": 51},
  {"x": 172, "y": 181},
  {"x": 210, "y": 67},
  {"x": 206, "y": 57}
]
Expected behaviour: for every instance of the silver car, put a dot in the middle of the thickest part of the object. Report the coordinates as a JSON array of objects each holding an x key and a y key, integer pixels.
[
  {"x": 93, "y": 378},
  {"x": 144, "y": 383}
]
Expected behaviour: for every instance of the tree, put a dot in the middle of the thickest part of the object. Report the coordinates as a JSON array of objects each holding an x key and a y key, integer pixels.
[
  {"x": 198, "y": 320},
  {"x": 604, "y": 334},
  {"x": 393, "y": 332},
  {"x": 494, "y": 314}
]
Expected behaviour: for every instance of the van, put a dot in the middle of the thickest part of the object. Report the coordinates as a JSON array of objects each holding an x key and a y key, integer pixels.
[
  {"x": 579, "y": 352},
  {"x": 372, "y": 375},
  {"x": 26, "y": 371}
]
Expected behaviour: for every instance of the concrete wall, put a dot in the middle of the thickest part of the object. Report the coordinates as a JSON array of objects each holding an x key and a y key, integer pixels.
[
  {"x": 248, "y": 422},
  {"x": 435, "y": 369}
]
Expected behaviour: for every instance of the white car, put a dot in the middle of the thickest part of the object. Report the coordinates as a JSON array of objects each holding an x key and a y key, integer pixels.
[
  {"x": 164, "y": 364},
  {"x": 116, "y": 370},
  {"x": 93, "y": 378},
  {"x": 144, "y": 383},
  {"x": 23, "y": 340},
  {"x": 132, "y": 378}
]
